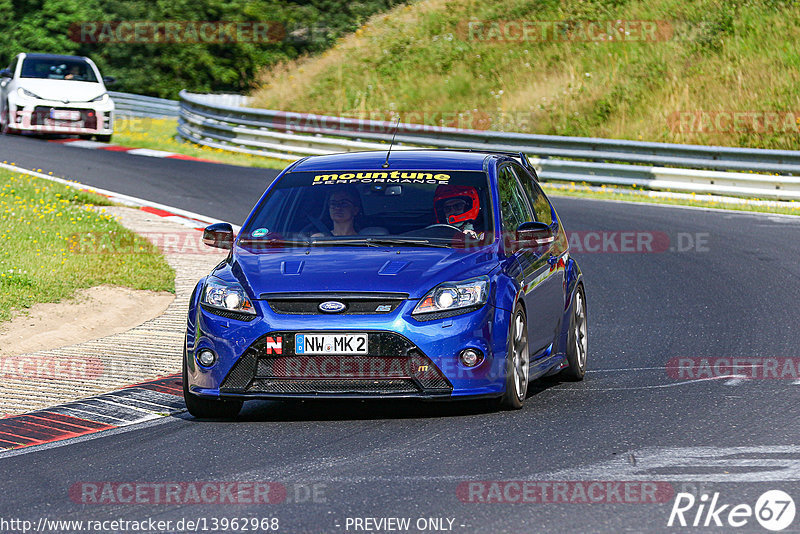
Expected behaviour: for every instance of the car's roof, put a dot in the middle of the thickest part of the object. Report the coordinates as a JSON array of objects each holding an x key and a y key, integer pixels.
[
  {"x": 52, "y": 56},
  {"x": 399, "y": 160}
]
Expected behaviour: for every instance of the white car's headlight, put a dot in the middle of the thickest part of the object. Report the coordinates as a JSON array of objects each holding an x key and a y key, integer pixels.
[
  {"x": 101, "y": 98},
  {"x": 454, "y": 295},
  {"x": 24, "y": 93},
  {"x": 226, "y": 296}
]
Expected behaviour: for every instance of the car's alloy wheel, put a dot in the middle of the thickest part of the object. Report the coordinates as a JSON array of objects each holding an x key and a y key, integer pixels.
[
  {"x": 577, "y": 339},
  {"x": 518, "y": 361},
  {"x": 207, "y": 408}
]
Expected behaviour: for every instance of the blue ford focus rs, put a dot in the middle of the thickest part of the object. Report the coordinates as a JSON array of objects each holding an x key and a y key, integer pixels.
[{"x": 430, "y": 274}]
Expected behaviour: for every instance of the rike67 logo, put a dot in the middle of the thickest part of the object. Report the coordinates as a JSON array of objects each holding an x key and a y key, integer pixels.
[{"x": 774, "y": 510}]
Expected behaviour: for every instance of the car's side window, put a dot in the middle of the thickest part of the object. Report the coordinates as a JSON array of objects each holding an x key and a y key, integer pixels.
[
  {"x": 536, "y": 198},
  {"x": 513, "y": 207}
]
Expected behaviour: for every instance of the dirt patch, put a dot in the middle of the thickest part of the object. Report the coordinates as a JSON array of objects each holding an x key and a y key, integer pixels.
[{"x": 94, "y": 313}]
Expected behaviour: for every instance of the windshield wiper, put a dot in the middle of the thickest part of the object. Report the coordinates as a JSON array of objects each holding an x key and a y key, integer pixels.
[
  {"x": 273, "y": 242},
  {"x": 365, "y": 241},
  {"x": 382, "y": 241}
]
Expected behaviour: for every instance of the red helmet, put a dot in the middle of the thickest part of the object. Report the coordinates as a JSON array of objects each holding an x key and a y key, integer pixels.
[{"x": 464, "y": 192}]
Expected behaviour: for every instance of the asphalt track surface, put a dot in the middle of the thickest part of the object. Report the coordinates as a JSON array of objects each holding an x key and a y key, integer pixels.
[{"x": 735, "y": 295}]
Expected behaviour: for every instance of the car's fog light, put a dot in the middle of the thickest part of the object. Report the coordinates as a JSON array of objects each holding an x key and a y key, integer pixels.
[
  {"x": 471, "y": 357},
  {"x": 206, "y": 358}
]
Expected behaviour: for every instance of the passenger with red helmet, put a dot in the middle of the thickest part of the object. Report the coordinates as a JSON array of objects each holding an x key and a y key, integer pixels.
[{"x": 459, "y": 206}]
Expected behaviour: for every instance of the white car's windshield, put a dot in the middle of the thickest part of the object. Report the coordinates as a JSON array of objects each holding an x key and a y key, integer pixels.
[
  {"x": 58, "y": 69},
  {"x": 438, "y": 208}
]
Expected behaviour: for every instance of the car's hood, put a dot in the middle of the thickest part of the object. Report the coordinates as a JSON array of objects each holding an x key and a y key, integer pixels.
[
  {"x": 63, "y": 90},
  {"x": 402, "y": 269}
]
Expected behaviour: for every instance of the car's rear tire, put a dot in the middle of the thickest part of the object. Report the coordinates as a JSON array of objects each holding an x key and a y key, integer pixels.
[
  {"x": 517, "y": 361},
  {"x": 577, "y": 339},
  {"x": 103, "y": 138},
  {"x": 207, "y": 408}
]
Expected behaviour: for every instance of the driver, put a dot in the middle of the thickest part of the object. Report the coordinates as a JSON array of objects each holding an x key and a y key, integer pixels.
[
  {"x": 344, "y": 207},
  {"x": 459, "y": 206},
  {"x": 74, "y": 73}
]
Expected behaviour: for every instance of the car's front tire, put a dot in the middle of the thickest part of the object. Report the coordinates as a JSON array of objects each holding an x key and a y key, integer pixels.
[
  {"x": 5, "y": 122},
  {"x": 207, "y": 408},
  {"x": 577, "y": 339},
  {"x": 103, "y": 138},
  {"x": 517, "y": 361}
]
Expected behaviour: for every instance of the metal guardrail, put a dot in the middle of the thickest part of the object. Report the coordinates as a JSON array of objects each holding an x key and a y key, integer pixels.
[
  {"x": 144, "y": 106},
  {"x": 212, "y": 121}
]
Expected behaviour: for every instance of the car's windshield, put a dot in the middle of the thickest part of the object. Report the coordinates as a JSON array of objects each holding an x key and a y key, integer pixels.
[
  {"x": 380, "y": 207},
  {"x": 76, "y": 70}
]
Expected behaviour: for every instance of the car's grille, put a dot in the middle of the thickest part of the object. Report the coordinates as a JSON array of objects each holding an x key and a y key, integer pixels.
[
  {"x": 393, "y": 365},
  {"x": 320, "y": 367},
  {"x": 432, "y": 316},
  {"x": 229, "y": 314},
  {"x": 354, "y": 303},
  {"x": 387, "y": 387},
  {"x": 41, "y": 117},
  {"x": 242, "y": 373}
]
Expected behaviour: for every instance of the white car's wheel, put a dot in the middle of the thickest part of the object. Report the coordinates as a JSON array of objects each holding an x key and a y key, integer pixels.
[
  {"x": 4, "y": 119},
  {"x": 5, "y": 122}
]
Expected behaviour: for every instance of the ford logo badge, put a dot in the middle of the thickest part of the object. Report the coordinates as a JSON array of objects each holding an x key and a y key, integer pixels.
[{"x": 332, "y": 306}]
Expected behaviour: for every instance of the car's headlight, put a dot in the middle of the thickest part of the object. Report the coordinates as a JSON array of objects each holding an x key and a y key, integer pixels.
[
  {"x": 24, "y": 93},
  {"x": 454, "y": 295},
  {"x": 226, "y": 296},
  {"x": 102, "y": 98}
]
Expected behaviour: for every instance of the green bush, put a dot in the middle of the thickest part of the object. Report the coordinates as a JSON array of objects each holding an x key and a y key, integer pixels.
[{"x": 163, "y": 69}]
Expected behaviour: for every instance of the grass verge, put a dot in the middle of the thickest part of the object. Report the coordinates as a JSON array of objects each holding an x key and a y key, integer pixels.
[
  {"x": 467, "y": 63},
  {"x": 159, "y": 134},
  {"x": 49, "y": 245}
]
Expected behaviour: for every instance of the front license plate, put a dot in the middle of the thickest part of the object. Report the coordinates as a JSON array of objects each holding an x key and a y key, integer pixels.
[
  {"x": 330, "y": 344},
  {"x": 65, "y": 115},
  {"x": 65, "y": 124}
]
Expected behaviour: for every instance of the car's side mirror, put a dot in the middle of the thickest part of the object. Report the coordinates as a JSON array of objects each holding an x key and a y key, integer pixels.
[
  {"x": 218, "y": 235},
  {"x": 6, "y": 73},
  {"x": 533, "y": 235},
  {"x": 109, "y": 80}
]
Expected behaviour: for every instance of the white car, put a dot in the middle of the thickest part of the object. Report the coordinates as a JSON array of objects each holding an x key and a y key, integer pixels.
[{"x": 44, "y": 93}]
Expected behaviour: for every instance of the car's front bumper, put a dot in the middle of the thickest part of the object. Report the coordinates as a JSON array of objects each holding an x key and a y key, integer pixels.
[
  {"x": 34, "y": 116},
  {"x": 407, "y": 358}
]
